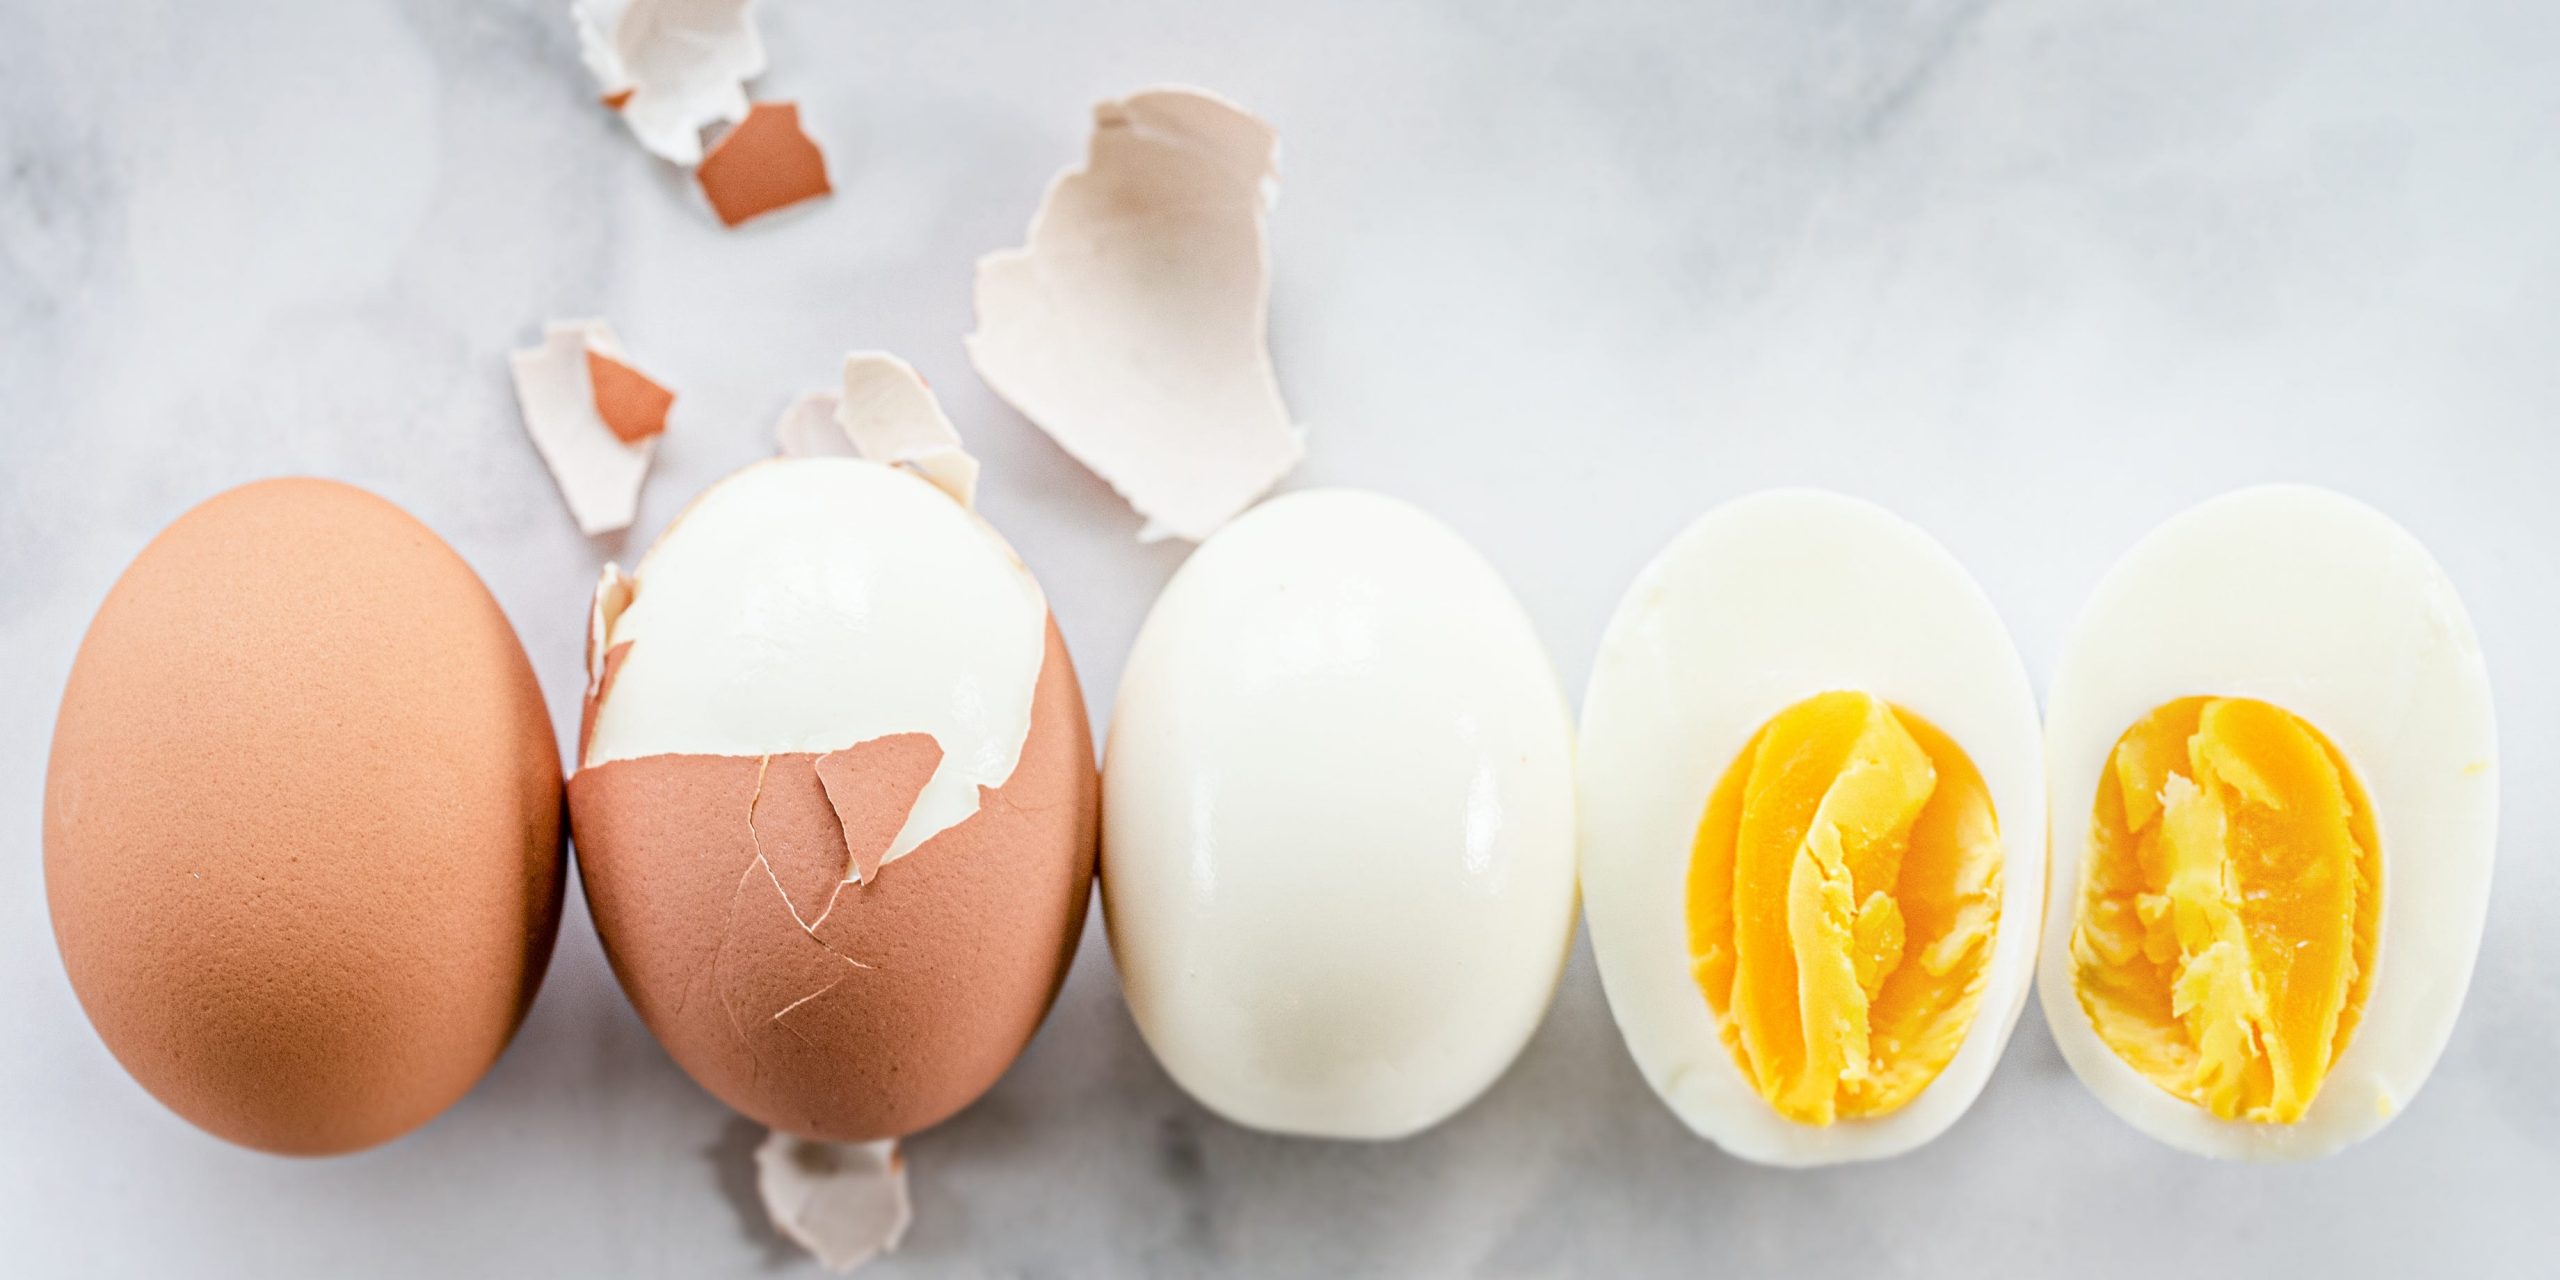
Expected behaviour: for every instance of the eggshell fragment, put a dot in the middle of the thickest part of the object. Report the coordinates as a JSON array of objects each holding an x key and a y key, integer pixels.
[
  {"x": 633, "y": 407},
  {"x": 1131, "y": 325},
  {"x": 766, "y": 163},
  {"x": 850, "y": 1012},
  {"x": 672, "y": 68},
  {"x": 809, "y": 429},
  {"x": 845, "y": 1202},
  {"x": 884, "y": 413},
  {"x": 872, "y": 786},
  {"x": 572, "y": 417}
]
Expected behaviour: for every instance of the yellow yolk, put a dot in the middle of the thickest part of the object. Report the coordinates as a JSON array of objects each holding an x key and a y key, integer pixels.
[
  {"x": 1843, "y": 893},
  {"x": 2229, "y": 909}
]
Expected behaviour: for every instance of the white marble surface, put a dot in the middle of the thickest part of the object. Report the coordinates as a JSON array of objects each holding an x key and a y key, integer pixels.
[{"x": 2035, "y": 275}]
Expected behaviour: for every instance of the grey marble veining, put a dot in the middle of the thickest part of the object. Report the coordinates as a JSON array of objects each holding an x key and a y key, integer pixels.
[{"x": 2035, "y": 275}]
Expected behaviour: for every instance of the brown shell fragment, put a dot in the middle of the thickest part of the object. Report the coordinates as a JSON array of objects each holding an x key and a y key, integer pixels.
[
  {"x": 820, "y": 1005},
  {"x": 763, "y": 164},
  {"x": 633, "y": 405},
  {"x": 872, "y": 786}
]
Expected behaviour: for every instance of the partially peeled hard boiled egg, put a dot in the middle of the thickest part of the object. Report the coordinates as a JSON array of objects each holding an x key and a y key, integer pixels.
[
  {"x": 835, "y": 797},
  {"x": 2273, "y": 764},
  {"x": 1812, "y": 829}
]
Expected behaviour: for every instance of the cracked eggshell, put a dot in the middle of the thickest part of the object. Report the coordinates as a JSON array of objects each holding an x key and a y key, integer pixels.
[
  {"x": 593, "y": 417},
  {"x": 836, "y": 814},
  {"x": 884, "y": 412},
  {"x": 302, "y": 821},
  {"x": 671, "y": 67},
  {"x": 1131, "y": 324},
  {"x": 845, "y": 1202}
]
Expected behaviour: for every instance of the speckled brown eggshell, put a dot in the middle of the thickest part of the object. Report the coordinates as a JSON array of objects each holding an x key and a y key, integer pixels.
[
  {"x": 302, "y": 820},
  {"x": 905, "y": 995}
]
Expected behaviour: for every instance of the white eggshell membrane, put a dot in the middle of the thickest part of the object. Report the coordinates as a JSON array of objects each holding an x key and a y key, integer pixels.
[
  {"x": 884, "y": 412},
  {"x": 1758, "y": 605},
  {"x": 599, "y": 476},
  {"x": 810, "y": 604},
  {"x": 1337, "y": 860},
  {"x": 684, "y": 63},
  {"x": 1130, "y": 325},
  {"x": 845, "y": 1202},
  {"x": 2324, "y": 607}
]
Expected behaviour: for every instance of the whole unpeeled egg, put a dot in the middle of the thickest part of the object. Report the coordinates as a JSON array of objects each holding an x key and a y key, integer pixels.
[
  {"x": 302, "y": 820},
  {"x": 1338, "y": 821},
  {"x": 835, "y": 799},
  {"x": 2274, "y": 789},
  {"x": 1812, "y": 829}
]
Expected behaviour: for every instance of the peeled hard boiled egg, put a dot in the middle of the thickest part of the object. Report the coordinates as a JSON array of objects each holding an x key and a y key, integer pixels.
[
  {"x": 834, "y": 805},
  {"x": 1338, "y": 821},
  {"x": 302, "y": 821},
  {"x": 2275, "y": 796},
  {"x": 1812, "y": 829}
]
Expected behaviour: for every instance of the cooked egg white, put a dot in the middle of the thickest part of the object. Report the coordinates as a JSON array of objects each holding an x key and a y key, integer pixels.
[
  {"x": 2274, "y": 788},
  {"x": 1338, "y": 829},
  {"x": 1812, "y": 816}
]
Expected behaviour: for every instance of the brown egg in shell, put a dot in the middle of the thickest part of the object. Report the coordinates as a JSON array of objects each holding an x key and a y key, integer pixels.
[
  {"x": 302, "y": 820},
  {"x": 836, "y": 804}
]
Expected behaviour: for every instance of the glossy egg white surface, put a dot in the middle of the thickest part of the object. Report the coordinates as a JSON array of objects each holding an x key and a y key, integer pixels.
[
  {"x": 1757, "y": 605},
  {"x": 2326, "y": 608},
  {"x": 1338, "y": 832}
]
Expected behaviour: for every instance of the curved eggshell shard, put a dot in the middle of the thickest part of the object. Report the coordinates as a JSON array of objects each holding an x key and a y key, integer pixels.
[
  {"x": 816, "y": 1004},
  {"x": 1131, "y": 325},
  {"x": 302, "y": 821}
]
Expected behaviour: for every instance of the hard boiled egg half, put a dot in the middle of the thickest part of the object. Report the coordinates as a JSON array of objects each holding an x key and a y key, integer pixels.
[
  {"x": 1813, "y": 829},
  {"x": 2275, "y": 796}
]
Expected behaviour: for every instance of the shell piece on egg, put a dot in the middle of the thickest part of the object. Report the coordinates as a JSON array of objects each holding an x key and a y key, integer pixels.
[
  {"x": 1131, "y": 325},
  {"x": 672, "y": 68},
  {"x": 574, "y": 388},
  {"x": 813, "y": 1002},
  {"x": 1755, "y": 607},
  {"x": 845, "y": 1202},
  {"x": 766, "y": 162},
  {"x": 612, "y": 596},
  {"x": 2326, "y": 609},
  {"x": 884, "y": 413}
]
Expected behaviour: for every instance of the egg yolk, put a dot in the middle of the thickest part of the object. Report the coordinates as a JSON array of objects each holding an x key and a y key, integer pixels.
[
  {"x": 2229, "y": 909},
  {"x": 1843, "y": 892}
]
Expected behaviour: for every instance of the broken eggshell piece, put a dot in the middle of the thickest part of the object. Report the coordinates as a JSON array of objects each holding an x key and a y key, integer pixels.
[
  {"x": 1131, "y": 325},
  {"x": 765, "y": 163},
  {"x": 836, "y": 805},
  {"x": 884, "y": 413},
  {"x": 593, "y": 417},
  {"x": 672, "y": 68},
  {"x": 845, "y": 1202}
]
